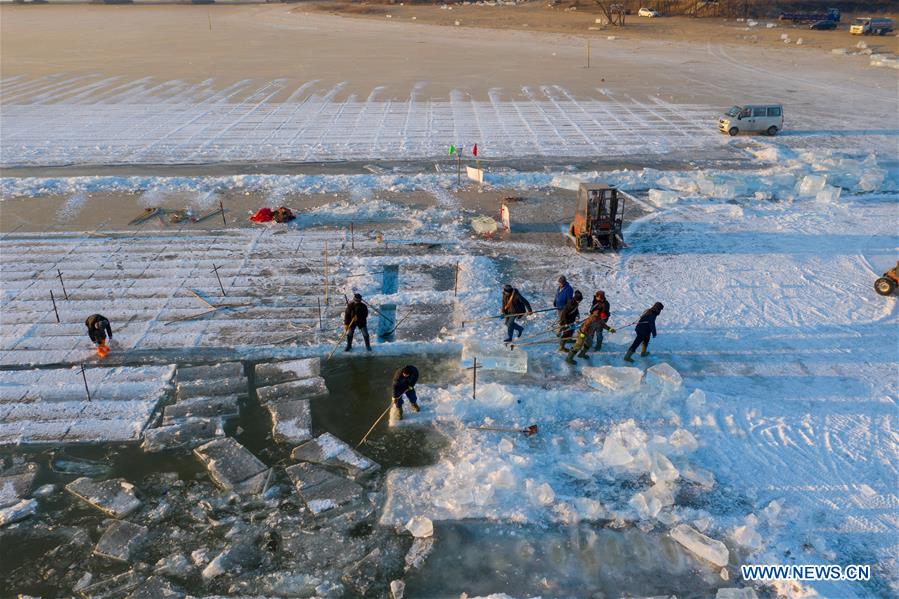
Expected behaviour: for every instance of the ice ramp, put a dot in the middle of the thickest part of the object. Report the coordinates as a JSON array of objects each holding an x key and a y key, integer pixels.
[
  {"x": 40, "y": 406},
  {"x": 493, "y": 357}
]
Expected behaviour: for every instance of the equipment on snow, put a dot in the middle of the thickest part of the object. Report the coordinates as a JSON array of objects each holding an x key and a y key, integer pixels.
[
  {"x": 886, "y": 285},
  {"x": 598, "y": 218}
]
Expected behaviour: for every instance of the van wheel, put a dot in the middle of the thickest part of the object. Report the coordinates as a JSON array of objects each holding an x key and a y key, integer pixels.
[
  {"x": 884, "y": 286},
  {"x": 733, "y": 131},
  {"x": 772, "y": 130}
]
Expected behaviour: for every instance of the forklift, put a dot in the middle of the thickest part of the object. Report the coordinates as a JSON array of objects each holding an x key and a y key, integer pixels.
[{"x": 598, "y": 220}]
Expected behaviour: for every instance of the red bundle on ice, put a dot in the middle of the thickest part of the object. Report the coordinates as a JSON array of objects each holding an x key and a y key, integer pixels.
[{"x": 263, "y": 215}]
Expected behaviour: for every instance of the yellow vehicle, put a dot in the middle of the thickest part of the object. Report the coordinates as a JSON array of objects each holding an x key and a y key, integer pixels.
[{"x": 871, "y": 26}]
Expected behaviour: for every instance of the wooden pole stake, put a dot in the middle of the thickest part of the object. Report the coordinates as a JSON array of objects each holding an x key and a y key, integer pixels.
[
  {"x": 53, "y": 299},
  {"x": 61, "y": 282},
  {"x": 222, "y": 209},
  {"x": 456, "y": 281},
  {"x": 474, "y": 379},
  {"x": 215, "y": 269},
  {"x": 352, "y": 237},
  {"x": 588, "y": 52},
  {"x": 327, "y": 275},
  {"x": 84, "y": 378},
  {"x": 321, "y": 326}
]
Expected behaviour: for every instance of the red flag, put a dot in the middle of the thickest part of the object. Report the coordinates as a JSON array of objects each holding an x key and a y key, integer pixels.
[{"x": 474, "y": 150}]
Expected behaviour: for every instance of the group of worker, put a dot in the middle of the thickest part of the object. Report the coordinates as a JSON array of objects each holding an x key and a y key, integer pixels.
[
  {"x": 589, "y": 332},
  {"x": 576, "y": 337}
]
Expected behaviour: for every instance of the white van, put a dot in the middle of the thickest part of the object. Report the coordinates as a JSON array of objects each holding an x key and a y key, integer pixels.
[{"x": 760, "y": 118}]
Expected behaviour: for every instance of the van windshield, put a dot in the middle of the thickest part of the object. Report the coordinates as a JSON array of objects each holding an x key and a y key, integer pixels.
[{"x": 734, "y": 111}]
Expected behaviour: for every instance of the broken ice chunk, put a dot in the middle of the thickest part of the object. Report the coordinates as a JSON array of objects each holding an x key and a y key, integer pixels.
[
  {"x": 420, "y": 526},
  {"x": 811, "y": 185},
  {"x": 702, "y": 546},
  {"x": 664, "y": 376},
  {"x": 201, "y": 407},
  {"x": 209, "y": 387},
  {"x": 483, "y": 225},
  {"x": 17, "y": 511},
  {"x": 828, "y": 194},
  {"x": 301, "y": 389},
  {"x": 115, "y": 497},
  {"x": 291, "y": 420},
  {"x": 618, "y": 379},
  {"x": 225, "y": 370},
  {"x": 701, "y": 477},
  {"x": 156, "y": 587},
  {"x": 234, "y": 560},
  {"x": 661, "y": 469},
  {"x": 682, "y": 441},
  {"x": 493, "y": 357},
  {"x": 662, "y": 197},
  {"x": 363, "y": 574},
  {"x": 284, "y": 372},
  {"x": 184, "y": 434},
  {"x": 232, "y": 466},
  {"x": 329, "y": 450},
  {"x": 419, "y": 552},
  {"x": 119, "y": 540},
  {"x": 16, "y": 482},
  {"x": 321, "y": 489},
  {"x": 614, "y": 453},
  {"x": 397, "y": 587},
  {"x": 744, "y": 593}
]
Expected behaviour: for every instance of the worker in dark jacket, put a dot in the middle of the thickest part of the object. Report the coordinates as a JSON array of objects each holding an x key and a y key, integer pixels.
[
  {"x": 584, "y": 334},
  {"x": 646, "y": 326},
  {"x": 404, "y": 381},
  {"x": 568, "y": 317},
  {"x": 563, "y": 294},
  {"x": 600, "y": 301},
  {"x": 98, "y": 329},
  {"x": 515, "y": 306},
  {"x": 356, "y": 317}
]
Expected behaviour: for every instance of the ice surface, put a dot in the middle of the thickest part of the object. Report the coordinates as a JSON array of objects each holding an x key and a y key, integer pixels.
[
  {"x": 682, "y": 441},
  {"x": 187, "y": 433},
  {"x": 747, "y": 536},
  {"x": 299, "y": 389},
  {"x": 420, "y": 526},
  {"x": 361, "y": 576},
  {"x": 700, "y": 476},
  {"x": 17, "y": 511},
  {"x": 663, "y": 375},
  {"x": 702, "y": 546},
  {"x": 115, "y": 496},
  {"x": 176, "y": 566},
  {"x": 116, "y": 586},
  {"x": 291, "y": 420},
  {"x": 328, "y": 450},
  {"x": 156, "y": 587},
  {"x": 493, "y": 357},
  {"x": 321, "y": 489},
  {"x": 232, "y": 466},
  {"x": 541, "y": 494},
  {"x": 696, "y": 401},
  {"x": 283, "y": 372},
  {"x": 119, "y": 540}
]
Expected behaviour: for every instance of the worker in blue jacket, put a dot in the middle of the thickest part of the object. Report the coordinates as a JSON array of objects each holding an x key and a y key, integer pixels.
[
  {"x": 563, "y": 294},
  {"x": 646, "y": 326}
]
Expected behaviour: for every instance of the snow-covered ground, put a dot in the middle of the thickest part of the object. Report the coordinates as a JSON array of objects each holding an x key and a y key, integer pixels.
[{"x": 60, "y": 122}]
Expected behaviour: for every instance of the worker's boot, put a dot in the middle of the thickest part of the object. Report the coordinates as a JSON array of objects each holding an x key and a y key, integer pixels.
[
  {"x": 627, "y": 356},
  {"x": 348, "y": 347},
  {"x": 415, "y": 407},
  {"x": 367, "y": 345},
  {"x": 396, "y": 413},
  {"x": 570, "y": 357},
  {"x": 645, "y": 351},
  {"x": 563, "y": 344},
  {"x": 583, "y": 354}
]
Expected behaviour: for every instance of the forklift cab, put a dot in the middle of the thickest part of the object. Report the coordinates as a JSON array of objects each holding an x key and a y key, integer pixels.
[{"x": 598, "y": 218}]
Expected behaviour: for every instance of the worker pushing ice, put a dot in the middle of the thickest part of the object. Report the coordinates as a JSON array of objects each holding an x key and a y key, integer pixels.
[
  {"x": 356, "y": 317},
  {"x": 514, "y": 307},
  {"x": 646, "y": 326},
  {"x": 586, "y": 332},
  {"x": 404, "y": 381},
  {"x": 600, "y": 301},
  {"x": 98, "y": 329},
  {"x": 568, "y": 318}
]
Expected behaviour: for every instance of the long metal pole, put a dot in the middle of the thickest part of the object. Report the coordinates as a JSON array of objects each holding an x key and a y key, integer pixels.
[
  {"x": 474, "y": 379},
  {"x": 61, "y": 282},
  {"x": 53, "y": 299},
  {"x": 215, "y": 269},
  {"x": 86, "y": 389}
]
